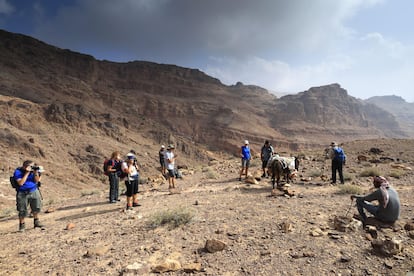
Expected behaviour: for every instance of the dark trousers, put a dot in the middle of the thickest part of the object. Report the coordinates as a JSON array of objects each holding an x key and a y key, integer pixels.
[
  {"x": 113, "y": 187},
  {"x": 337, "y": 166}
]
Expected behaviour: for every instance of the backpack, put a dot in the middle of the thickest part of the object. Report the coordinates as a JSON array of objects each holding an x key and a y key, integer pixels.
[
  {"x": 13, "y": 183},
  {"x": 121, "y": 174},
  {"x": 106, "y": 165},
  {"x": 339, "y": 154}
]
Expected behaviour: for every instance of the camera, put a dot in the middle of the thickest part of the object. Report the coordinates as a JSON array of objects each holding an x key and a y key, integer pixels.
[{"x": 37, "y": 168}]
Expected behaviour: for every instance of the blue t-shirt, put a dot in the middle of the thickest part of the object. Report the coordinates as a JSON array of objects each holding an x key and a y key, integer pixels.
[
  {"x": 245, "y": 152},
  {"x": 30, "y": 184}
]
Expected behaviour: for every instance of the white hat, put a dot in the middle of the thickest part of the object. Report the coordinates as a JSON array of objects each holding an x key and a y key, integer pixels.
[
  {"x": 246, "y": 142},
  {"x": 163, "y": 147},
  {"x": 130, "y": 156}
]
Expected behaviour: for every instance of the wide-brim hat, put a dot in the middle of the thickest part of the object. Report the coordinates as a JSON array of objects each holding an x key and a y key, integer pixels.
[
  {"x": 246, "y": 142},
  {"x": 171, "y": 146}
]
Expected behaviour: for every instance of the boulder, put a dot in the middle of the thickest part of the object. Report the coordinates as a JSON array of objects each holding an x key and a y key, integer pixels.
[
  {"x": 166, "y": 266},
  {"x": 214, "y": 245},
  {"x": 386, "y": 247}
]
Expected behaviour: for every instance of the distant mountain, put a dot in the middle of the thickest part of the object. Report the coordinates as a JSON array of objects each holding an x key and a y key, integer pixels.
[
  {"x": 78, "y": 93},
  {"x": 68, "y": 111},
  {"x": 402, "y": 110}
]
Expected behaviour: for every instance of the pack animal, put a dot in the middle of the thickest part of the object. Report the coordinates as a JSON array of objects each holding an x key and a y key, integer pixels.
[{"x": 279, "y": 169}]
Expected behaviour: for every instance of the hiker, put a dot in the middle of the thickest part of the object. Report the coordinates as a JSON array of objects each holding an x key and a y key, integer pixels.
[
  {"x": 245, "y": 158},
  {"x": 113, "y": 165},
  {"x": 388, "y": 209},
  {"x": 130, "y": 167},
  {"x": 265, "y": 154},
  {"x": 338, "y": 157},
  {"x": 170, "y": 157},
  {"x": 162, "y": 159},
  {"x": 28, "y": 177}
]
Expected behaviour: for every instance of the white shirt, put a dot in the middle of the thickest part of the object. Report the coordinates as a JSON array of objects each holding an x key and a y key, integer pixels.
[
  {"x": 134, "y": 172},
  {"x": 169, "y": 155}
]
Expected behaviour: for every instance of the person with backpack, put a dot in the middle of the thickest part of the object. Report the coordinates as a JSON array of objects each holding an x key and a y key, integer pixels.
[
  {"x": 265, "y": 154},
  {"x": 161, "y": 154},
  {"x": 338, "y": 157},
  {"x": 27, "y": 178},
  {"x": 130, "y": 167},
  {"x": 113, "y": 171}
]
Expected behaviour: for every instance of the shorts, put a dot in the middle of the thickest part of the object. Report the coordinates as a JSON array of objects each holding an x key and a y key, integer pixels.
[
  {"x": 132, "y": 187},
  {"x": 171, "y": 173},
  {"x": 245, "y": 163},
  {"x": 23, "y": 199},
  {"x": 264, "y": 163}
]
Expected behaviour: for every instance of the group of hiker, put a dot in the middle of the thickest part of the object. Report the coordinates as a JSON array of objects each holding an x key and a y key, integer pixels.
[
  {"x": 388, "y": 209},
  {"x": 27, "y": 181}
]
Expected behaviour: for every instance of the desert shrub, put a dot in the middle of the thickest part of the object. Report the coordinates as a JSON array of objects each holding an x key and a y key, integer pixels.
[
  {"x": 172, "y": 218},
  {"x": 396, "y": 173},
  {"x": 348, "y": 176},
  {"x": 210, "y": 173},
  {"x": 89, "y": 192},
  {"x": 370, "y": 172},
  {"x": 315, "y": 173},
  {"x": 349, "y": 189}
]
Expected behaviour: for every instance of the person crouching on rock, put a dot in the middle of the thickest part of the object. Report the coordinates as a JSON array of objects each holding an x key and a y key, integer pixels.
[
  {"x": 130, "y": 167},
  {"x": 388, "y": 209},
  {"x": 28, "y": 177}
]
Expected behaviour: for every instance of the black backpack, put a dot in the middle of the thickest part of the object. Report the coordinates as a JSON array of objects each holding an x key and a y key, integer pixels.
[{"x": 13, "y": 182}]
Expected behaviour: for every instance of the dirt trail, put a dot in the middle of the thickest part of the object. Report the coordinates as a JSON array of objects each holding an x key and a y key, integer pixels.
[{"x": 264, "y": 234}]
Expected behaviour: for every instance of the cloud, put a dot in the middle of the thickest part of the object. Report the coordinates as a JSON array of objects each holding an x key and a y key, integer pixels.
[
  {"x": 6, "y": 8},
  {"x": 281, "y": 45}
]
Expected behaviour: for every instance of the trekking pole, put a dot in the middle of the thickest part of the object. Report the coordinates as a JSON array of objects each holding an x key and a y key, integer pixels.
[{"x": 346, "y": 214}]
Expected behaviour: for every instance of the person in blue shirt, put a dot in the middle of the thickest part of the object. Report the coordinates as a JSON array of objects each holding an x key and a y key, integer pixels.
[
  {"x": 245, "y": 158},
  {"x": 28, "y": 177}
]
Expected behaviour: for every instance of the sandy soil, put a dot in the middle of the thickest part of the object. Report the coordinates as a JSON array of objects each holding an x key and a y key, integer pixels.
[{"x": 264, "y": 234}]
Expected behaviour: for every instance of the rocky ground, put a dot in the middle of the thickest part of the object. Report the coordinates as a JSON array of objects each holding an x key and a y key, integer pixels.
[{"x": 224, "y": 226}]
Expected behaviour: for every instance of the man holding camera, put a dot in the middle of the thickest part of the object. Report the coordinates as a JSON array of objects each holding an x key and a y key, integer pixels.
[{"x": 28, "y": 178}]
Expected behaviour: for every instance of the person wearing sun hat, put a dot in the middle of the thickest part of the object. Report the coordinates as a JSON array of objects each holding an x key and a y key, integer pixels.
[
  {"x": 130, "y": 167},
  {"x": 388, "y": 209},
  {"x": 170, "y": 157},
  {"x": 245, "y": 159}
]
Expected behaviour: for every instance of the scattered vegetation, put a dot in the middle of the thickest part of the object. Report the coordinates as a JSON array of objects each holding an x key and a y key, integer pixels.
[
  {"x": 315, "y": 173},
  {"x": 172, "y": 218},
  {"x": 89, "y": 192},
  {"x": 210, "y": 173},
  {"x": 348, "y": 176},
  {"x": 370, "y": 172},
  {"x": 396, "y": 173},
  {"x": 349, "y": 189}
]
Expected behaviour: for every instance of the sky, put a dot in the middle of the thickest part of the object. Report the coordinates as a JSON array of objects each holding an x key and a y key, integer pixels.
[{"x": 285, "y": 46}]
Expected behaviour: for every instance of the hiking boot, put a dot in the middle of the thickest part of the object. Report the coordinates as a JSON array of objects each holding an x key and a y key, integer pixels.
[
  {"x": 136, "y": 204},
  {"x": 129, "y": 207},
  {"x": 38, "y": 224},
  {"x": 22, "y": 227},
  {"x": 264, "y": 175}
]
